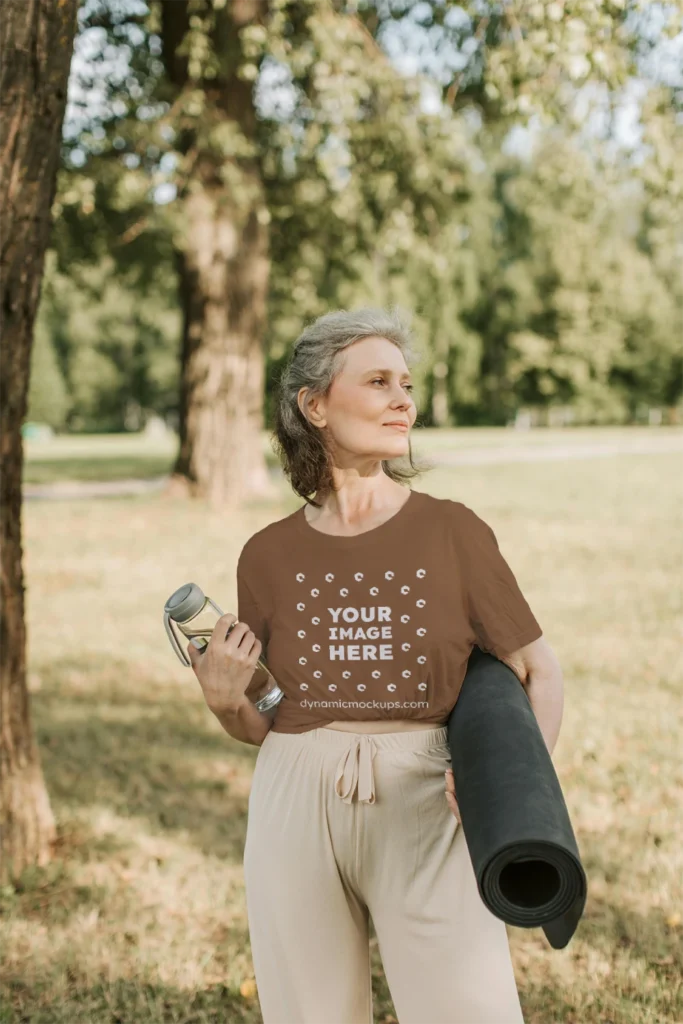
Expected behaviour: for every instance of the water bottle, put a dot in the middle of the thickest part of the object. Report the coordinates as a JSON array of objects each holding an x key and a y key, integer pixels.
[{"x": 191, "y": 614}]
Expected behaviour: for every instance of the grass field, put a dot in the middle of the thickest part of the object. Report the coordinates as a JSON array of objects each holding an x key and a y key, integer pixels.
[
  {"x": 141, "y": 918},
  {"x": 134, "y": 456}
]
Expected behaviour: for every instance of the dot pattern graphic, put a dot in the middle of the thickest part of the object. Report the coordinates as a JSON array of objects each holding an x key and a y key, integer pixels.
[{"x": 362, "y": 623}]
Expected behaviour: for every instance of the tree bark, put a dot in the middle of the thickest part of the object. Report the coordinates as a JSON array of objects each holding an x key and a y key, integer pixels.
[
  {"x": 223, "y": 276},
  {"x": 36, "y": 43},
  {"x": 222, "y": 372}
]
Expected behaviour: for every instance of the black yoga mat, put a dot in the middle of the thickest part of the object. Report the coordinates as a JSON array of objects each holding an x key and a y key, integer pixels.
[{"x": 513, "y": 814}]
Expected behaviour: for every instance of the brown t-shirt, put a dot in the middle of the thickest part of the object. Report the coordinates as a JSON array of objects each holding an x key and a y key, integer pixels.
[{"x": 381, "y": 625}]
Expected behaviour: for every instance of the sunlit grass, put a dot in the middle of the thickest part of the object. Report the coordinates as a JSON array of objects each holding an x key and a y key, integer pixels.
[
  {"x": 135, "y": 456},
  {"x": 142, "y": 918}
]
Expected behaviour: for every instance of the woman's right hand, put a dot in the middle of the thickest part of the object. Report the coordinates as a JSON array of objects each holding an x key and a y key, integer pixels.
[
  {"x": 450, "y": 793},
  {"x": 227, "y": 665}
]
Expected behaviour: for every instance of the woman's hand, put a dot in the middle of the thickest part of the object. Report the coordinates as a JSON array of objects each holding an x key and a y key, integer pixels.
[
  {"x": 450, "y": 793},
  {"x": 227, "y": 665}
]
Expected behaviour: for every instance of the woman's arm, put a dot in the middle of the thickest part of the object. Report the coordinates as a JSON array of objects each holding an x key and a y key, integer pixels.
[
  {"x": 540, "y": 674},
  {"x": 245, "y": 723}
]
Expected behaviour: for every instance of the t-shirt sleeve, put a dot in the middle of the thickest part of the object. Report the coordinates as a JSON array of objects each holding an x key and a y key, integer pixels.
[
  {"x": 252, "y": 612},
  {"x": 499, "y": 613}
]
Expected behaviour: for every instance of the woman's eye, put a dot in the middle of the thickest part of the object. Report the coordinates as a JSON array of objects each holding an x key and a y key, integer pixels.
[{"x": 408, "y": 387}]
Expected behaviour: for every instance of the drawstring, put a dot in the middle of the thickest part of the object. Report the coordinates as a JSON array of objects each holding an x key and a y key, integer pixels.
[{"x": 355, "y": 769}]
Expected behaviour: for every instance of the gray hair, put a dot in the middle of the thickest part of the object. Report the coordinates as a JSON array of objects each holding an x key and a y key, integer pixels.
[{"x": 314, "y": 364}]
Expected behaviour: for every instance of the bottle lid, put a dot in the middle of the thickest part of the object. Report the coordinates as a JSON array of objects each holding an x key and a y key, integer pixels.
[{"x": 185, "y": 602}]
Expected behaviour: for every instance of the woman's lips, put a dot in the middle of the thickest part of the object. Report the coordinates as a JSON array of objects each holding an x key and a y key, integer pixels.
[{"x": 397, "y": 426}]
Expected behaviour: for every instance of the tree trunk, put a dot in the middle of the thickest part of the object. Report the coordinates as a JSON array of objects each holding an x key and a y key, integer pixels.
[
  {"x": 223, "y": 275},
  {"x": 223, "y": 279},
  {"x": 36, "y": 43}
]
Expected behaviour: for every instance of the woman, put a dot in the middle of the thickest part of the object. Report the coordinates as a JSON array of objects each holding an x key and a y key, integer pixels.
[{"x": 366, "y": 602}]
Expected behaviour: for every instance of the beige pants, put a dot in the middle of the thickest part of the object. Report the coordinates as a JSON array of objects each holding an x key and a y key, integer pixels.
[{"x": 345, "y": 825}]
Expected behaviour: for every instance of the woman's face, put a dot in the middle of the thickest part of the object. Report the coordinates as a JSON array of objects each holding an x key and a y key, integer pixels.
[{"x": 372, "y": 388}]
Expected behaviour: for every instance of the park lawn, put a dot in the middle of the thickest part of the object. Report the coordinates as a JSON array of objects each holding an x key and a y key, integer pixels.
[
  {"x": 141, "y": 918},
  {"x": 99, "y": 457}
]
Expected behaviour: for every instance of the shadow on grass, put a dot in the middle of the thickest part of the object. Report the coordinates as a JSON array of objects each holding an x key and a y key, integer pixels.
[
  {"x": 157, "y": 760},
  {"x": 50, "y": 892},
  {"x": 125, "y": 1001}
]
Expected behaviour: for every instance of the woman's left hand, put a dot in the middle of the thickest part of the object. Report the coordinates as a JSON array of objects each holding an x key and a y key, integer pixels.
[{"x": 450, "y": 793}]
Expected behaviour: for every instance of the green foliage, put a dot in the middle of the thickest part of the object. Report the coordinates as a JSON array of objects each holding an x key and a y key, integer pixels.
[
  {"x": 587, "y": 320},
  {"x": 113, "y": 346},
  {"x": 48, "y": 397},
  {"x": 536, "y": 281}
]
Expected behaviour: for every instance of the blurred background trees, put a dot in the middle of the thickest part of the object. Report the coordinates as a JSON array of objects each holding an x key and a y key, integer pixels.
[{"x": 511, "y": 172}]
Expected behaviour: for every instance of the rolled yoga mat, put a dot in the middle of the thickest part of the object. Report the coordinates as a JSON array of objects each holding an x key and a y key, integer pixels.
[{"x": 512, "y": 810}]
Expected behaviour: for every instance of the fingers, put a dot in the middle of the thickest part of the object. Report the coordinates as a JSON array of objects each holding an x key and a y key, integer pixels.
[
  {"x": 450, "y": 793},
  {"x": 225, "y": 624},
  {"x": 229, "y": 622}
]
